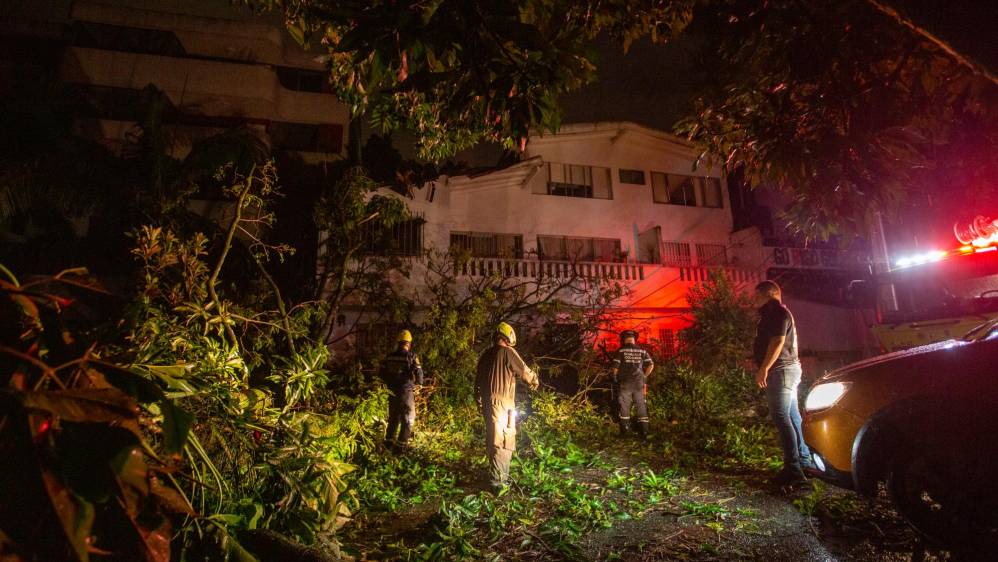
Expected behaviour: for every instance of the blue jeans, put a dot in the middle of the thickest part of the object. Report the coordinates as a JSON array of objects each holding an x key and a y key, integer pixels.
[{"x": 781, "y": 392}]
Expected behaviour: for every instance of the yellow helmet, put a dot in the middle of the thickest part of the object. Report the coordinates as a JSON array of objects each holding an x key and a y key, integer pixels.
[
  {"x": 506, "y": 331},
  {"x": 405, "y": 336}
]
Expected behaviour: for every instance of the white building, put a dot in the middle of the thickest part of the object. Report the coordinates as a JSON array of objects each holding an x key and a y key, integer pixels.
[{"x": 616, "y": 201}]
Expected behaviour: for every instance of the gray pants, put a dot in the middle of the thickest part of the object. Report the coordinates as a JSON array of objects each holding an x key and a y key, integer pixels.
[
  {"x": 401, "y": 415},
  {"x": 500, "y": 437},
  {"x": 632, "y": 391}
]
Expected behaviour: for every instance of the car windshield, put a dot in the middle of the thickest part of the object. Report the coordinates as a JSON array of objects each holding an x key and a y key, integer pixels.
[{"x": 981, "y": 331}]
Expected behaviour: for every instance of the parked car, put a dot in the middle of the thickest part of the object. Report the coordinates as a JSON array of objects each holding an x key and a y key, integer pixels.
[{"x": 923, "y": 423}]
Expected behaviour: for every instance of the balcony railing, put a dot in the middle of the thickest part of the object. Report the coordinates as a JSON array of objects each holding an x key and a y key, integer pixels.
[
  {"x": 812, "y": 258},
  {"x": 485, "y": 267}
]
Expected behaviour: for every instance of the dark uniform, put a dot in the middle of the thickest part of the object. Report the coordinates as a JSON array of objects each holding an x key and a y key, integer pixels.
[
  {"x": 495, "y": 387},
  {"x": 401, "y": 372},
  {"x": 629, "y": 364}
]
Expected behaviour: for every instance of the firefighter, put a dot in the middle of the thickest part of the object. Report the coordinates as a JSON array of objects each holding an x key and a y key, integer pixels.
[
  {"x": 401, "y": 372},
  {"x": 495, "y": 389},
  {"x": 632, "y": 365}
]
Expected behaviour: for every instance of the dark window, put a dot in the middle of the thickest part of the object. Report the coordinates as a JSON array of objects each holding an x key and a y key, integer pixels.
[
  {"x": 575, "y": 180},
  {"x": 674, "y": 189},
  {"x": 565, "y": 248},
  {"x": 128, "y": 39},
  {"x": 403, "y": 239},
  {"x": 487, "y": 245},
  {"x": 636, "y": 177},
  {"x": 305, "y": 137},
  {"x": 301, "y": 80}
]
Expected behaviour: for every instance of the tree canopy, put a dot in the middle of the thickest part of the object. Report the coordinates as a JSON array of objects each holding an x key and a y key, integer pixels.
[{"x": 848, "y": 107}]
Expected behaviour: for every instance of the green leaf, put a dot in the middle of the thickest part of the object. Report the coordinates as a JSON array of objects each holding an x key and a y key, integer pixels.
[{"x": 176, "y": 425}]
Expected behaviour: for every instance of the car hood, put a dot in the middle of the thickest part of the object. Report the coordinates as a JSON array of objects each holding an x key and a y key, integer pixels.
[{"x": 896, "y": 356}]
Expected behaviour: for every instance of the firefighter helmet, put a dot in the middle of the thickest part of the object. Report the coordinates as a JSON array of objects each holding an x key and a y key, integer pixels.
[
  {"x": 405, "y": 336},
  {"x": 506, "y": 331}
]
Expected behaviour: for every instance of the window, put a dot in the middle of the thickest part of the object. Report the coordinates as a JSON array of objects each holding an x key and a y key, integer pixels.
[
  {"x": 673, "y": 189},
  {"x": 403, "y": 239},
  {"x": 676, "y": 253},
  {"x": 712, "y": 193},
  {"x": 712, "y": 254},
  {"x": 306, "y": 137},
  {"x": 567, "y": 248},
  {"x": 109, "y": 37},
  {"x": 636, "y": 177},
  {"x": 488, "y": 245},
  {"x": 301, "y": 80},
  {"x": 574, "y": 180},
  {"x": 667, "y": 342},
  {"x": 677, "y": 189}
]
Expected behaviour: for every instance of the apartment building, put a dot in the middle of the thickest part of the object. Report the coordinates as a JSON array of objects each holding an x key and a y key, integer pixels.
[
  {"x": 612, "y": 201},
  {"x": 218, "y": 66}
]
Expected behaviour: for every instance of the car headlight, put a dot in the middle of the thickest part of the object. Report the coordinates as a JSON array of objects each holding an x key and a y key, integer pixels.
[{"x": 825, "y": 395}]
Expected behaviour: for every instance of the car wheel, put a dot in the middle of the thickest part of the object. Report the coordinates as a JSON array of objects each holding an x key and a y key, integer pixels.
[{"x": 945, "y": 496}]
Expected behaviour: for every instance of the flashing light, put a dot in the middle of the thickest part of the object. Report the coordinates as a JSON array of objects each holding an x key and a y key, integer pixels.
[
  {"x": 919, "y": 259},
  {"x": 988, "y": 249},
  {"x": 966, "y": 249}
]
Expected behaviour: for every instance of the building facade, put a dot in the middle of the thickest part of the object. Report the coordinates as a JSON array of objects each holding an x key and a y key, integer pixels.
[{"x": 611, "y": 201}]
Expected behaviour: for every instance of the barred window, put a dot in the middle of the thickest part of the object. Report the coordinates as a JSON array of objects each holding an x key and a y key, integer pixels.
[
  {"x": 488, "y": 244},
  {"x": 668, "y": 344},
  {"x": 402, "y": 239}
]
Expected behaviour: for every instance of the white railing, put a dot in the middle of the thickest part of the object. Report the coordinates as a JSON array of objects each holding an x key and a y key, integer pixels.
[{"x": 486, "y": 267}]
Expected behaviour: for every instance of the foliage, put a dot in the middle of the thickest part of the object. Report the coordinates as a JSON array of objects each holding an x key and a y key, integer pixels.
[
  {"x": 353, "y": 217},
  {"x": 723, "y": 325},
  {"x": 845, "y": 111},
  {"x": 457, "y": 72},
  {"x": 79, "y": 473}
]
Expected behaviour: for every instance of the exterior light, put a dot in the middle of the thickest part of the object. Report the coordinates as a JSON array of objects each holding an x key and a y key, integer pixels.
[
  {"x": 988, "y": 249},
  {"x": 825, "y": 395}
]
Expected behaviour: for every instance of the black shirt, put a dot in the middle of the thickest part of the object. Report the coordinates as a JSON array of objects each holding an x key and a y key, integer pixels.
[
  {"x": 630, "y": 361},
  {"x": 775, "y": 321},
  {"x": 401, "y": 369}
]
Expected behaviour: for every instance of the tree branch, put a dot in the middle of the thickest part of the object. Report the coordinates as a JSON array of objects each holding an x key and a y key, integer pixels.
[{"x": 962, "y": 59}]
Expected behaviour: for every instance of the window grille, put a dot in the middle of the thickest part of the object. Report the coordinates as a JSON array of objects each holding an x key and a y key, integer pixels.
[
  {"x": 487, "y": 244},
  {"x": 574, "y": 180}
]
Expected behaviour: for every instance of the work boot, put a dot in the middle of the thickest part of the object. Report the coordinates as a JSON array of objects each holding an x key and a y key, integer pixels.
[
  {"x": 643, "y": 429},
  {"x": 625, "y": 427}
]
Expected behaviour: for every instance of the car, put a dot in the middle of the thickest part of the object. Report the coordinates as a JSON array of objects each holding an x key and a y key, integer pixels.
[{"x": 923, "y": 424}]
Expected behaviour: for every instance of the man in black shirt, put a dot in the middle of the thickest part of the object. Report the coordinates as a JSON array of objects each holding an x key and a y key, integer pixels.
[{"x": 779, "y": 374}]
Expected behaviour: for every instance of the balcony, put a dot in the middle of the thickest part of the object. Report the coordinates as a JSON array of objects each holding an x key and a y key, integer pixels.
[
  {"x": 814, "y": 258},
  {"x": 552, "y": 269}
]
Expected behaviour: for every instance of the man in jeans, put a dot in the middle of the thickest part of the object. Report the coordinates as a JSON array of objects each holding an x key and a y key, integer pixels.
[{"x": 779, "y": 374}]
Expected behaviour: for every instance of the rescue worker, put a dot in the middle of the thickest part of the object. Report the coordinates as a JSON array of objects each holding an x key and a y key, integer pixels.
[
  {"x": 401, "y": 372},
  {"x": 632, "y": 365},
  {"x": 495, "y": 389}
]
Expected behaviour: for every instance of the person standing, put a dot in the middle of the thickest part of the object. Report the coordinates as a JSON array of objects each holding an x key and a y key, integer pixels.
[
  {"x": 495, "y": 388},
  {"x": 632, "y": 367},
  {"x": 779, "y": 373},
  {"x": 401, "y": 372}
]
